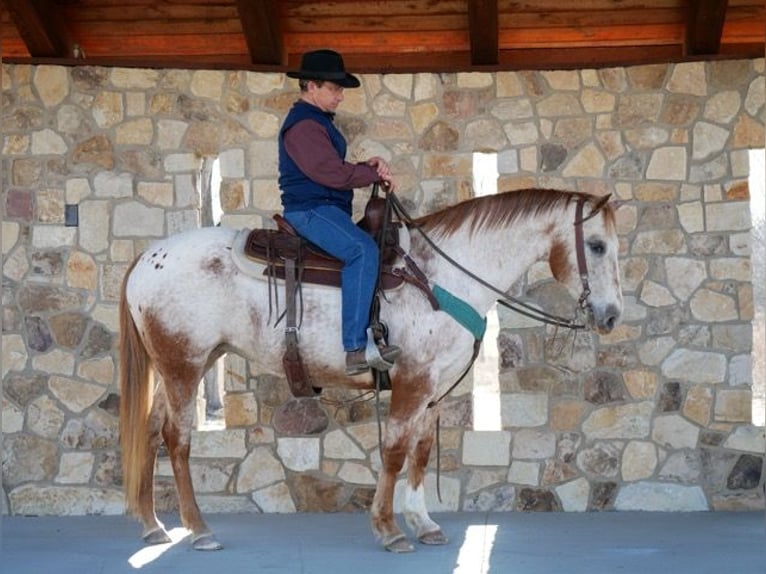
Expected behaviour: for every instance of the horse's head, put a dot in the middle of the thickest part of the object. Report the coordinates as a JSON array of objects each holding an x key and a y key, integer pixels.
[{"x": 593, "y": 274}]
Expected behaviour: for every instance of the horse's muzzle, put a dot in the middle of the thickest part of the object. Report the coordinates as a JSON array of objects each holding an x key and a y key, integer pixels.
[{"x": 605, "y": 321}]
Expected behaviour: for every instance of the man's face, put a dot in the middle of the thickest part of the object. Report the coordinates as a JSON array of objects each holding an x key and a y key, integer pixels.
[{"x": 326, "y": 96}]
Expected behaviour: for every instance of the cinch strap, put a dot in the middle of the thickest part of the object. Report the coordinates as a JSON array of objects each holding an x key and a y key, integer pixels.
[{"x": 461, "y": 311}]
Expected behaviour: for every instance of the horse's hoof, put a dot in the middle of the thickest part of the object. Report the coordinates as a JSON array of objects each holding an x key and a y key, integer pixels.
[
  {"x": 399, "y": 545},
  {"x": 206, "y": 542},
  {"x": 157, "y": 536},
  {"x": 435, "y": 538}
]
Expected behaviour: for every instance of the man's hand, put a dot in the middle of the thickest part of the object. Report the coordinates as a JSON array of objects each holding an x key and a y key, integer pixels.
[{"x": 384, "y": 172}]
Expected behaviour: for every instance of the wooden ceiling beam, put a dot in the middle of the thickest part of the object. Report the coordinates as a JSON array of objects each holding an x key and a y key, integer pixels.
[
  {"x": 41, "y": 25},
  {"x": 483, "y": 32},
  {"x": 704, "y": 26},
  {"x": 262, "y": 28},
  {"x": 423, "y": 62}
]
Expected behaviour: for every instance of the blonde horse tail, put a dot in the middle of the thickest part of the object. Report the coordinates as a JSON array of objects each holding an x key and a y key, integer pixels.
[{"x": 135, "y": 402}]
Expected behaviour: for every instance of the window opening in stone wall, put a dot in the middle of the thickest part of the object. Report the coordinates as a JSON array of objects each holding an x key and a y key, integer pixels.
[
  {"x": 210, "y": 177},
  {"x": 210, "y": 393},
  {"x": 486, "y": 381},
  {"x": 757, "y": 186}
]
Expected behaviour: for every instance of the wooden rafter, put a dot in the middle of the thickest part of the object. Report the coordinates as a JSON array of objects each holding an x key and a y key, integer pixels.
[
  {"x": 41, "y": 27},
  {"x": 262, "y": 30},
  {"x": 704, "y": 26},
  {"x": 483, "y": 31}
]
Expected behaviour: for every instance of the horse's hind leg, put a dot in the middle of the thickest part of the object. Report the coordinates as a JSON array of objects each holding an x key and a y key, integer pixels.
[
  {"x": 154, "y": 531},
  {"x": 177, "y": 435}
]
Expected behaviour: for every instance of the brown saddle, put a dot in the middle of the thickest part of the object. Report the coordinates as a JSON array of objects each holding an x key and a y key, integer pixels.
[{"x": 275, "y": 247}]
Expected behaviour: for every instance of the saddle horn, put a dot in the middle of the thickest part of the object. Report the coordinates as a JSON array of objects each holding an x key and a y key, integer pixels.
[{"x": 374, "y": 212}]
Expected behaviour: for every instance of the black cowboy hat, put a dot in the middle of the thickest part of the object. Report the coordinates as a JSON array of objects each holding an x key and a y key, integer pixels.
[{"x": 324, "y": 65}]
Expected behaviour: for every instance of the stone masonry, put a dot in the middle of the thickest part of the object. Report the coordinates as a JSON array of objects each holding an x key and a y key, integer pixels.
[{"x": 97, "y": 162}]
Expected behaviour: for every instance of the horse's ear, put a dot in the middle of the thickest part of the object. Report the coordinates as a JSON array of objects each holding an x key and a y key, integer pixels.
[
  {"x": 598, "y": 206},
  {"x": 601, "y": 203}
]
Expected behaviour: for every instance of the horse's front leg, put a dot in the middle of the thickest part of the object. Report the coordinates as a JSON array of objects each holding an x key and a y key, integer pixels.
[
  {"x": 415, "y": 511},
  {"x": 382, "y": 512}
]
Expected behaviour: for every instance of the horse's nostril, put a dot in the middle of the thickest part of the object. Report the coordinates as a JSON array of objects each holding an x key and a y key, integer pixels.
[{"x": 612, "y": 317}]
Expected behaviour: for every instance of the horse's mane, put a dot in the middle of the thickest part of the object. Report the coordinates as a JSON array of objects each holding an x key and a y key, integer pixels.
[{"x": 502, "y": 209}]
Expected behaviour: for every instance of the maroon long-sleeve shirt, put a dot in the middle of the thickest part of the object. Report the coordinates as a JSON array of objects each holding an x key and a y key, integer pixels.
[{"x": 309, "y": 146}]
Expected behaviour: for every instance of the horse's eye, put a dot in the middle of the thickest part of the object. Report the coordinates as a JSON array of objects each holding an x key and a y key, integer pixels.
[{"x": 597, "y": 247}]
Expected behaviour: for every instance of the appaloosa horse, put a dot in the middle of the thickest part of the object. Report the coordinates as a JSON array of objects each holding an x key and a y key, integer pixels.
[{"x": 185, "y": 302}]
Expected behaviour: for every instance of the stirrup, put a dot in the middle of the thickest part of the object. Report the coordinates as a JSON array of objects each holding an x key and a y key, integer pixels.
[{"x": 372, "y": 354}]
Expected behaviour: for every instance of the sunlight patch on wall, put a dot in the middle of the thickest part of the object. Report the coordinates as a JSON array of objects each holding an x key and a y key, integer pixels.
[
  {"x": 210, "y": 177},
  {"x": 486, "y": 383},
  {"x": 209, "y": 413},
  {"x": 757, "y": 185}
]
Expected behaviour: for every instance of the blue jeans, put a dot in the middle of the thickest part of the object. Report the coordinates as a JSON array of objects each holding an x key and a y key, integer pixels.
[{"x": 331, "y": 229}]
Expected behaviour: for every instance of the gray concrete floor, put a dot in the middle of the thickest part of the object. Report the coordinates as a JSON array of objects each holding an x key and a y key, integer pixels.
[{"x": 480, "y": 543}]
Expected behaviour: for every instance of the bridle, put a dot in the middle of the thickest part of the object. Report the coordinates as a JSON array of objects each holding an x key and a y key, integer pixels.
[{"x": 582, "y": 264}]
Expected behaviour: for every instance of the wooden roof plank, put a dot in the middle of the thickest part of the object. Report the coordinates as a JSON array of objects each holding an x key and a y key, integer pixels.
[
  {"x": 596, "y": 37},
  {"x": 157, "y": 28},
  {"x": 742, "y": 32},
  {"x": 136, "y": 10},
  {"x": 704, "y": 26},
  {"x": 315, "y": 9},
  {"x": 402, "y": 42},
  {"x": 158, "y": 47},
  {"x": 262, "y": 27},
  {"x": 376, "y": 23},
  {"x": 41, "y": 27},
  {"x": 483, "y": 31},
  {"x": 578, "y": 18},
  {"x": 548, "y": 6}
]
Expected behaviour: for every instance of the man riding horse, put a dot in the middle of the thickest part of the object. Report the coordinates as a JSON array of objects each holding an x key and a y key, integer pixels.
[{"x": 317, "y": 186}]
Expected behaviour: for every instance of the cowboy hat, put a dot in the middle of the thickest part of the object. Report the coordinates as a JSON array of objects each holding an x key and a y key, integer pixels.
[{"x": 324, "y": 65}]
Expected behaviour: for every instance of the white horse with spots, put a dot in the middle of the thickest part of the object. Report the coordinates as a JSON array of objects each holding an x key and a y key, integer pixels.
[{"x": 185, "y": 302}]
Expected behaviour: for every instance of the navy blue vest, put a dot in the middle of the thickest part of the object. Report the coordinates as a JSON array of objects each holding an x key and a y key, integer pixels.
[{"x": 298, "y": 191}]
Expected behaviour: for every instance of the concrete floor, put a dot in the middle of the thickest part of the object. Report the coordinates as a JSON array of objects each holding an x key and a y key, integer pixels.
[{"x": 480, "y": 543}]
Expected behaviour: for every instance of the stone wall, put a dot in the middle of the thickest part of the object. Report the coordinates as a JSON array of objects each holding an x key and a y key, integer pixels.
[{"x": 97, "y": 162}]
